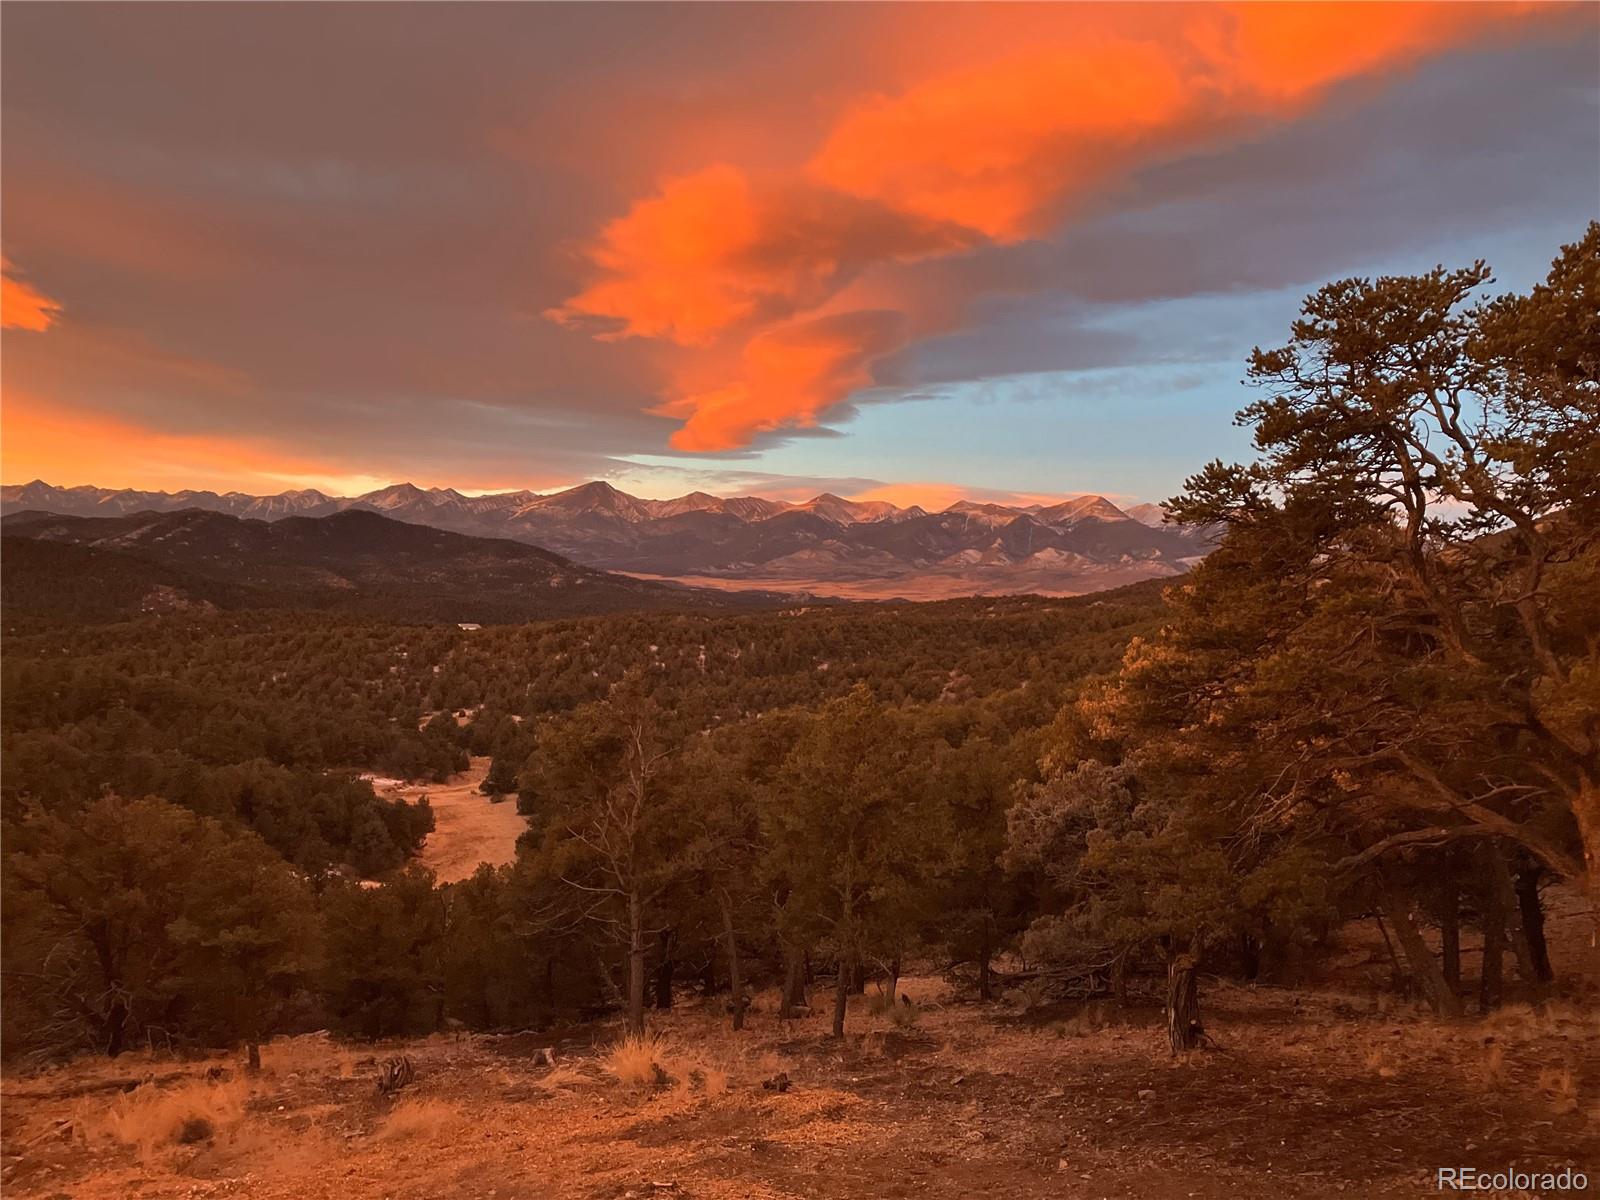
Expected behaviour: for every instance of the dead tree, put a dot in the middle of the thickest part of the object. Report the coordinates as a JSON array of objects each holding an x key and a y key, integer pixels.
[{"x": 615, "y": 833}]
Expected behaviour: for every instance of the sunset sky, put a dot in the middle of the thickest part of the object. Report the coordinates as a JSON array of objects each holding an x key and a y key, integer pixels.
[{"x": 895, "y": 251}]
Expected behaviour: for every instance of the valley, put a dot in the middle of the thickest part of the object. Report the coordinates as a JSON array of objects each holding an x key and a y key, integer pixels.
[{"x": 934, "y": 583}]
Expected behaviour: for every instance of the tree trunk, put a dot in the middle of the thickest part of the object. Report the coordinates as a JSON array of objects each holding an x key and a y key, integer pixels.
[
  {"x": 794, "y": 983},
  {"x": 1249, "y": 955},
  {"x": 253, "y": 1057},
  {"x": 1424, "y": 968},
  {"x": 1491, "y": 980},
  {"x": 664, "y": 970},
  {"x": 985, "y": 954},
  {"x": 1397, "y": 976},
  {"x": 1450, "y": 933},
  {"x": 635, "y": 966},
  {"x": 1119, "y": 977},
  {"x": 841, "y": 996},
  {"x": 116, "y": 1028},
  {"x": 1531, "y": 909},
  {"x": 1183, "y": 1003},
  {"x": 858, "y": 978},
  {"x": 1506, "y": 900},
  {"x": 735, "y": 981}
]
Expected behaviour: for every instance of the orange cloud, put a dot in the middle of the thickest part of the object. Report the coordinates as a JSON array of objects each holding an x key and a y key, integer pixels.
[
  {"x": 22, "y": 306},
  {"x": 990, "y": 148},
  {"x": 43, "y": 440},
  {"x": 1289, "y": 51},
  {"x": 68, "y": 445},
  {"x": 1004, "y": 147},
  {"x": 714, "y": 249},
  {"x": 993, "y": 154},
  {"x": 786, "y": 378}
]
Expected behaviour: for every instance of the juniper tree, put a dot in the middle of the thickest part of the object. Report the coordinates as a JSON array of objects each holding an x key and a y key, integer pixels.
[
  {"x": 247, "y": 939},
  {"x": 129, "y": 916},
  {"x": 859, "y": 834},
  {"x": 721, "y": 776}
]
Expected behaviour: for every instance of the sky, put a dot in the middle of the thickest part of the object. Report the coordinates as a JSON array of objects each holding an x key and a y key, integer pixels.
[{"x": 917, "y": 253}]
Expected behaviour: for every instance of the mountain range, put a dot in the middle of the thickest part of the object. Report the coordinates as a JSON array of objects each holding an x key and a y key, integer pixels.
[
  {"x": 115, "y": 567},
  {"x": 827, "y": 545}
]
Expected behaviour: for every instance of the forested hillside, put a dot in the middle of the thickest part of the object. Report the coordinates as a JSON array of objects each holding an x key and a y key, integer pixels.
[{"x": 263, "y": 721}]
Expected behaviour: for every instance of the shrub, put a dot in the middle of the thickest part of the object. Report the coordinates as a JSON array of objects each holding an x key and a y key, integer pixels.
[
  {"x": 904, "y": 1015},
  {"x": 639, "y": 1060},
  {"x": 194, "y": 1111}
]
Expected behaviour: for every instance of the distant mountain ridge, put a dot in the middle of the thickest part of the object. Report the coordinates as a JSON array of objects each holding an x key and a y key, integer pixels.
[
  {"x": 829, "y": 545},
  {"x": 114, "y": 567}
]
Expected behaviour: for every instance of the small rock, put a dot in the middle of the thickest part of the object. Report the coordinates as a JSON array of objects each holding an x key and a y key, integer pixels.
[{"x": 1147, "y": 1094}]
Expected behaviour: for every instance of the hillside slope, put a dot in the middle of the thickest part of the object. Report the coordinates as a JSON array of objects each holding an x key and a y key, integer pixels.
[{"x": 106, "y": 568}]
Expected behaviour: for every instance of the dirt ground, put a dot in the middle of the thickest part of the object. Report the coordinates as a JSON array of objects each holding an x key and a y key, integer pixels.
[
  {"x": 1312, "y": 1094},
  {"x": 469, "y": 828}
]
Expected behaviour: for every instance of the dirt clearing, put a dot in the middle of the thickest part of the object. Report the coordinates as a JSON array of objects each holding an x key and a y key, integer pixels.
[{"x": 469, "y": 828}]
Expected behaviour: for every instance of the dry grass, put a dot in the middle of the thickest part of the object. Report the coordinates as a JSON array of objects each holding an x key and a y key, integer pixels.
[
  {"x": 421, "y": 1118},
  {"x": 153, "y": 1117},
  {"x": 309, "y": 1053},
  {"x": 1560, "y": 1088},
  {"x": 639, "y": 1060},
  {"x": 561, "y": 1077},
  {"x": 896, "y": 1010},
  {"x": 1493, "y": 1075},
  {"x": 1524, "y": 1022},
  {"x": 1029, "y": 995},
  {"x": 693, "y": 1074},
  {"x": 986, "y": 1103},
  {"x": 1378, "y": 1062},
  {"x": 704, "y": 1064}
]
